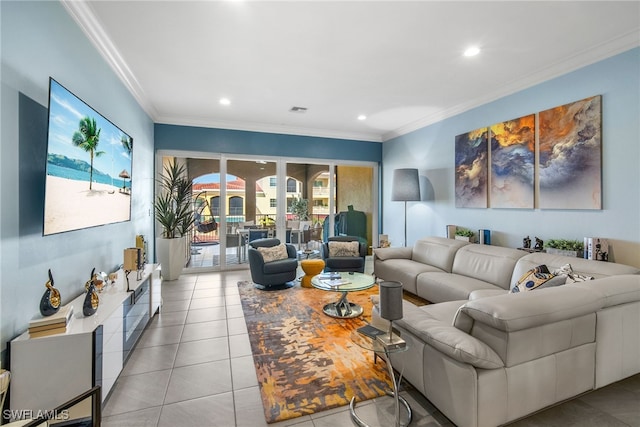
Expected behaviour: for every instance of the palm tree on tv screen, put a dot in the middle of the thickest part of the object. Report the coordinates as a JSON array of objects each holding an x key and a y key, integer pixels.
[
  {"x": 127, "y": 143},
  {"x": 87, "y": 137}
]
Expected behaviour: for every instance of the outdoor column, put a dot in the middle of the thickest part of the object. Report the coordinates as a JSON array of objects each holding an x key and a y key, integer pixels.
[{"x": 250, "y": 197}]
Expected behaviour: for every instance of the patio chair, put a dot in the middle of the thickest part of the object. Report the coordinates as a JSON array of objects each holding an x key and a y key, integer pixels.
[
  {"x": 235, "y": 240},
  {"x": 258, "y": 233}
]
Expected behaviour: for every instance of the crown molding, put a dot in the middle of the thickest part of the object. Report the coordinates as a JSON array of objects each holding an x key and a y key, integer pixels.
[
  {"x": 82, "y": 14},
  {"x": 596, "y": 53}
]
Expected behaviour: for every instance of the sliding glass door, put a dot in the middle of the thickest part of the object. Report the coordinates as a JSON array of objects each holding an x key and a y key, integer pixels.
[
  {"x": 204, "y": 242},
  {"x": 237, "y": 199},
  {"x": 251, "y": 213}
]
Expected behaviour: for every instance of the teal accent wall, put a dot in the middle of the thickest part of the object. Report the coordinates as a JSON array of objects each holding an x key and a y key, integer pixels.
[
  {"x": 211, "y": 140},
  {"x": 431, "y": 150},
  {"x": 39, "y": 40}
]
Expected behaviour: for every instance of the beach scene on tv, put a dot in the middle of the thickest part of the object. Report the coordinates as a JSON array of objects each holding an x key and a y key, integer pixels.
[{"x": 88, "y": 180}]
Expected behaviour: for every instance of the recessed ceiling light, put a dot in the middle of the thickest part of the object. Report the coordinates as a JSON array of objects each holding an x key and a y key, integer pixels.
[
  {"x": 225, "y": 101},
  {"x": 472, "y": 51},
  {"x": 362, "y": 117}
]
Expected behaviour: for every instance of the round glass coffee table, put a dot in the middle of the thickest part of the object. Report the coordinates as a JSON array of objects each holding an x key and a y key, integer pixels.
[{"x": 345, "y": 283}]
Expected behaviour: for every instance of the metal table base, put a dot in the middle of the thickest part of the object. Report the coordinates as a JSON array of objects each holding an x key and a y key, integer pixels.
[
  {"x": 343, "y": 309},
  {"x": 395, "y": 394}
]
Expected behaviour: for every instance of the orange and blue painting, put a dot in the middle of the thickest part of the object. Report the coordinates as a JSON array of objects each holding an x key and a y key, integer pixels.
[
  {"x": 512, "y": 163},
  {"x": 570, "y": 155},
  {"x": 471, "y": 163}
]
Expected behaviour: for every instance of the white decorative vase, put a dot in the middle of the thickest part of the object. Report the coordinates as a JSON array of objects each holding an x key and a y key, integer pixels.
[{"x": 171, "y": 256}]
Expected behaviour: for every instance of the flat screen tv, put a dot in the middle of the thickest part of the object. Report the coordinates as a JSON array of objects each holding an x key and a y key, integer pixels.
[{"x": 88, "y": 179}]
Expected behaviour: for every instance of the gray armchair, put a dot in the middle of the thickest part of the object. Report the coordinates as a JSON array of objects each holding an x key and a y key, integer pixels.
[
  {"x": 272, "y": 275},
  {"x": 344, "y": 263}
]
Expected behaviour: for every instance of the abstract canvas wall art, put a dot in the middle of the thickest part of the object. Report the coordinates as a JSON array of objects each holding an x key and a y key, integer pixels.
[
  {"x": 512, "y": 163},
  {"x": 570, "y": 155},
  {"x": 471, "y": 168}
]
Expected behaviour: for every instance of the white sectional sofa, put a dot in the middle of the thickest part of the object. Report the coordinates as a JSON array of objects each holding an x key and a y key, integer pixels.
[{"x": 485, "y": 356}]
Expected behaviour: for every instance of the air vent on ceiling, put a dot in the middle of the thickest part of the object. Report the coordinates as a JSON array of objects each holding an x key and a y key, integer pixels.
[{"x": 295, "y": 109}]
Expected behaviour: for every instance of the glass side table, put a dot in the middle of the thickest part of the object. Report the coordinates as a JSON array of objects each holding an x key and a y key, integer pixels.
[{"x": 384, "y": 352}]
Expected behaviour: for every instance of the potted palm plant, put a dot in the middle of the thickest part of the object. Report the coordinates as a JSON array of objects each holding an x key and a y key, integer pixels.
[{"x": 173, "y": 211}]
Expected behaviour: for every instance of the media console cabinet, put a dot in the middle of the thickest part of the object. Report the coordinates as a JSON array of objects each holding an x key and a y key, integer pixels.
[{"x": 47, "y": 371}]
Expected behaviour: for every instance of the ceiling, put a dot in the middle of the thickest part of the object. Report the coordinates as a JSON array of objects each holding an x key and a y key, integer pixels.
[{"x": 400, "y": 63}]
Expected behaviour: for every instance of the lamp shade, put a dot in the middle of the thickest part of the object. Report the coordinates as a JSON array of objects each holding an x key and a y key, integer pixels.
[
  {"x": 391, "y": 300},
  {"x": 406, "y": 185}
]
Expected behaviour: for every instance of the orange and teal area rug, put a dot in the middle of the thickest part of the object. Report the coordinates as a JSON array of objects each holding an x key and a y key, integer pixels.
[{"x": 305, "y": 360}]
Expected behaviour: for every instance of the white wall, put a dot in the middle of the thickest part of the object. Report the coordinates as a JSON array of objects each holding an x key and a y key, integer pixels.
[
  {"x": 40, "y": 40},
  {"x": 431, "y": 151}
]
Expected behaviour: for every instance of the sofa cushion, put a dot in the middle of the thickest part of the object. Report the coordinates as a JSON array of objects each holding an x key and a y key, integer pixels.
[
  {"x": 444, "y": 311},
  {"x": 344, "y": 249},
  {"x": 437, "y": 251},
  {"x": 527, "y": 326},
  {"x": 461, "y": 347},
  {"x": 538, "y": 278},
  {"x": 439, "y": 286},
  {"x": 432, "y": 324},
  {"x": 486, "y": 293},
  {"x": 615, "y": 290},
  {"x": 513, "y": 312},
  {"x": 273, "y": 253},
  {"x": 491, "y": 264},
  {"x": 402, "y": 270},
  {"x": 392, "y": 253}
]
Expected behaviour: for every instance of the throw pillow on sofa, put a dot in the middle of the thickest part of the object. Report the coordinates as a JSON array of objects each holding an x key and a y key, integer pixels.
[
  {"x": 338, "y": 249},
  {"x": 274, "y": 253},
  {"x": 537, "y": 278},
  {"x": 570, "y": 276}
]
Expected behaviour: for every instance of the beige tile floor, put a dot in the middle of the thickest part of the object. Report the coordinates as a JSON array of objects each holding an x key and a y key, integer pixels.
[{"x": 193, "y": 367}]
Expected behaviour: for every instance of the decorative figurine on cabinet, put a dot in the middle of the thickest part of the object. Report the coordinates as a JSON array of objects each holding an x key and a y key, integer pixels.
[
  {"x": 539, "y": 244},
  {"x": 91, "y": 300},
  {"x": 526, "y": 242},
  {"x": 50, "y": 301},
  {"x": 112, "y": 278}
]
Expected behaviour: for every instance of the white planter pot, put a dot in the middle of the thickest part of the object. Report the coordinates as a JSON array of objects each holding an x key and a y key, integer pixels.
[
  {"x": 171, "y": 256},
  {"x": 555, "y": 251},
  {"x": 471, "y": 239}
]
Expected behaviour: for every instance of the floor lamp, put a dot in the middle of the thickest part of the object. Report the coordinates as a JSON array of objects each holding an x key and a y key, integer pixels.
[{"x": 405, "y": 188}]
